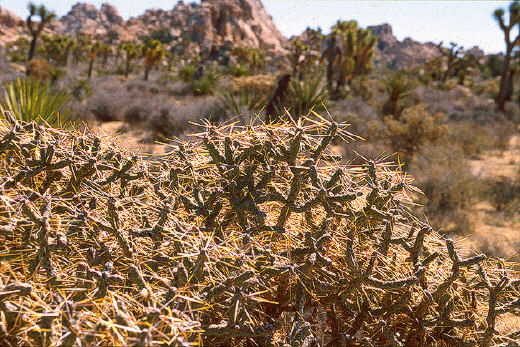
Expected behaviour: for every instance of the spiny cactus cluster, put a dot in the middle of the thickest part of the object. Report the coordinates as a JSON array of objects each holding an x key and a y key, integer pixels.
[{"x": 250, "y": 236}]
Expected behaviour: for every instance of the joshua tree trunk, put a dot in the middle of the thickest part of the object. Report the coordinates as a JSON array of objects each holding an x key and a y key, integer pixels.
[
  {"x": 127, "y": 67},
  {"x": 32, "y": 49},
  {"x": 90, "y": 65},
  {"x": 146, "y": 71},
  {"x": 501, "y": 97}
]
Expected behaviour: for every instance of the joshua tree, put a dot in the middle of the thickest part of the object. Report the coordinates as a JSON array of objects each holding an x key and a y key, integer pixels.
[
  {"x": 93, "y": 50},
  {"x": 333, "y": 50},
  {"x": 398, "y": 88},
  {"x": 153, "y": 52},
  {"x": 106, "y": 51},
  {"x": 349, "y": 51},
  {"x": 81, "y": 47},
  {"x": 36, "y": 28},
  {"x": 453, "y": 56},
  {"x": 298, "y": 50},
  {"x": 57, "y": 48},
  {"x": 514, "y": 19},
  {"x": 130, "y": 54},
  {"x": 358, "y": 50}
]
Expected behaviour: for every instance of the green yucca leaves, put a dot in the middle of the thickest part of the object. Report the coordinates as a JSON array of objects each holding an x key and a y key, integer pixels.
[
  {"x": 305, "y": 95},
  {"x": 235, "y": 101},
  {"x": 31, "y": 100}
]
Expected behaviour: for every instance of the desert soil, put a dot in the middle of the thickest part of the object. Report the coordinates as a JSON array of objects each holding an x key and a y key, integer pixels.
[{"x": 493, "y": 231}]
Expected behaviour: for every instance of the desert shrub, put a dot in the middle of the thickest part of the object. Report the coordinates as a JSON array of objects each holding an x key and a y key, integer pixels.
[
  {"x": 476, "y": 138},
  {"x": 362, "y": 87},
  {"x": 162, "y": 35},
  {"x": 258, "y": 84},
  {"x": 186, "y": 72},
  {"x": 444, "y": 175},
  {"x": 81, "y": 89},
  {"x": 238, "y": 70},
  {"x": 204, "y": 85},
  {"x": 504, "y": 195},
  {"x": 413, "y": 130},
  {"x": 488, "y": 87},
  {"x": 17, "y": 50},
  {"x": 105, "y": 108},
  {"x": 494, "y": 65},
  {"x": 121, "y": 69},
  {"x": 39, "y": 69},
  {"x": 357, "y": 113},
  {"x": 175, "y": 120},
  {"x": 208, "y": 246},
  {"x": 136, "y": 114},
  {"x": 32, "y": 100}
]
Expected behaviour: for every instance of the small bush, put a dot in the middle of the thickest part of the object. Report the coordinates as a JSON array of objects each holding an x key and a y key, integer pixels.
[
  {"x": 104, "y": 108},
  {"x": 136, "y": 114},
  {"x": 204, "y": 85},
  {"x": 444, "y": 176},
  {"x": 258, "y": 84},
  {"x": 413, "y": 130},
  {"x": 238, "y": 70},
  {"x": 39, "y": 69},
  {"x": 504, "y": 195},
  {"x": 186, "y": 72},
  {"x": 81, "y": 90}
]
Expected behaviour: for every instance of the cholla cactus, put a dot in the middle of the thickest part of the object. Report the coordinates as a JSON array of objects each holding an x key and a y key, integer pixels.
[{"x": 253, "y": 236}]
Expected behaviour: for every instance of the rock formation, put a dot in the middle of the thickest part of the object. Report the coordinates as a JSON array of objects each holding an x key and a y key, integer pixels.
[
  {"x": 84, "y": 18},
  {"x": 397, "y": 55},
  {"x": 10, "y": 26},
  {"x": 208, "y": 24},
  {"x": 215, "y": 22}
]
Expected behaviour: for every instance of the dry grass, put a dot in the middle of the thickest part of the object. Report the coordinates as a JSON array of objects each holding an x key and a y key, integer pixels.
[{"x": 248, "y": 236}]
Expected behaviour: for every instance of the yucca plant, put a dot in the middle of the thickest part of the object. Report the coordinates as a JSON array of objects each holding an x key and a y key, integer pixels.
[
  {"x": 398, "y": 88},
  {"x": 29, "y": 100},
  {"x": 245, "y": 98},
  {"x": 306, "y": 95}
]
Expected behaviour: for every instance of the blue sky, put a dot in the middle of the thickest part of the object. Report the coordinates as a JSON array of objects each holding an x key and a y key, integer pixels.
[{"x": 467, "y": 23}]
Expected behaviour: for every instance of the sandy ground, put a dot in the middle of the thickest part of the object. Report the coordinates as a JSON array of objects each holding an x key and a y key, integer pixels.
[
  {"x": 129, "y": 139},
  {"x": 494, "y": 232}
]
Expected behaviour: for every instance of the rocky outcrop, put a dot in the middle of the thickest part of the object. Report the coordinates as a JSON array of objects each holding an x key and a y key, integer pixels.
[
  {"x": 9, "y": 20},
  {"x": 214, "y": 23},
  {"x": 205, "y": 25},
  {"x": 11, "y": 26},
  {"x": 385, "y": 36},
  {"x": 397, "y": 55},
  {"x": 85, "y": 19}
]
